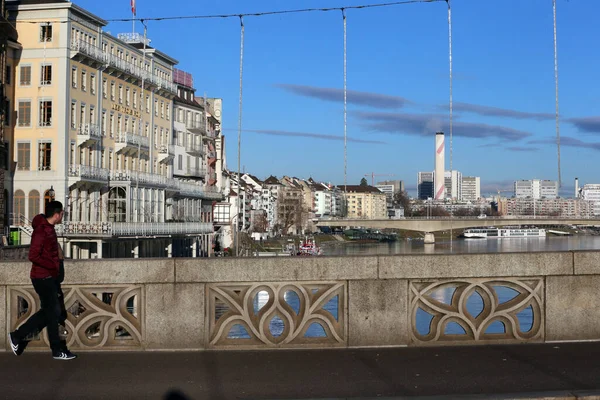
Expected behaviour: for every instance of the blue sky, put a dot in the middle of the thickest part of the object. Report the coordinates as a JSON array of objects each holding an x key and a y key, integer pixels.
[{"x": 398, "y": 81}]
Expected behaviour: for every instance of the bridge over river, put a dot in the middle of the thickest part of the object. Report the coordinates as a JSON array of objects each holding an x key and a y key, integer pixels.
[{"x": 447, "y": 223}]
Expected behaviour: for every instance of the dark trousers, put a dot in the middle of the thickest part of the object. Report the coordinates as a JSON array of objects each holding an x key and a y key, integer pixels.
[{"x": 47, "y": 317}]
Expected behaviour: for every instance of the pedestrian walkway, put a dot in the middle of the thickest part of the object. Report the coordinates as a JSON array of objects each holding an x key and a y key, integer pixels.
[{"x": 554, "y": 370}]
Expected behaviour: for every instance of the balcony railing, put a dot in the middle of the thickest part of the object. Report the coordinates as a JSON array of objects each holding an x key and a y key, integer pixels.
[
  {"x": 138, "y": 178},
  {"x": 194, "y": 148},
  {"x": 112, "y": 60},
  {"x": 88, "y": 133},
  {"x": 89, "y": 173},
  {"x": 111, "y": 229},
  {"x": 166, "y": 149},
  {"x": 195, "y": 171},
  {"x": 132, "y": 140}
]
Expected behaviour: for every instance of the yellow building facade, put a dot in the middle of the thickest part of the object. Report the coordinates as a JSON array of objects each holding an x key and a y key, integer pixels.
[
  {"x": 365, "y": 202},
  {"x": 94, "y": 129}
]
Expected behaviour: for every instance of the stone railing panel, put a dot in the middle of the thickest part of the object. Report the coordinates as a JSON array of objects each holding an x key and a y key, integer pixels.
[
  {"x": 15, "y": 273},
  {"x": 586, "y": 262},
  {"x": 572, "y": 311},
  {"x": 378, "y": 306},
  {"x": 175, "y": 316},
  {"x": 475, "y": 265},
  {"x": 477, "y": 310},
  {"x": 275, "y": 269},
  {"x": 283, "y": 314},
  {"x": 97, "y": 317},
  {"x": 119, "y": 271}
]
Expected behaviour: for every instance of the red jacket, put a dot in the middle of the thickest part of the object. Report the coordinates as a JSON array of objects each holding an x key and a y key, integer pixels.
[{"x": 43, "y": 251}]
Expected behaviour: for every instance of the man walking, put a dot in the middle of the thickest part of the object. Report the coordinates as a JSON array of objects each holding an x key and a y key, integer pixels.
[{"x": 44, "y": 255}]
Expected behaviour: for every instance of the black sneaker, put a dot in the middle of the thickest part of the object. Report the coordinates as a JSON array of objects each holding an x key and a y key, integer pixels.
[
  {"x": 17, "y": 346},
  {"x": 63, "y": 355}
]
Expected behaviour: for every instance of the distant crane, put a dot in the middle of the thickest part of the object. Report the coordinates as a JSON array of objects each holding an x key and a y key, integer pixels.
[{"x": 373, "y": 175}]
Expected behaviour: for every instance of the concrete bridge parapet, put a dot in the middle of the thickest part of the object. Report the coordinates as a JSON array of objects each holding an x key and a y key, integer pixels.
[{"x": 316, "y": 302}]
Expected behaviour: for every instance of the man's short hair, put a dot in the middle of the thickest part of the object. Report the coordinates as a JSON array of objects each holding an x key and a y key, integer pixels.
[{"x": 52, "y": 208}]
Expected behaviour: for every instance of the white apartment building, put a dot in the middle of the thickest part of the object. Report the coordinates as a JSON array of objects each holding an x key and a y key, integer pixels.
[
  {"x": 389, "y": 192},
  {"x": 95, "y": 129},
  {"x": 591, "y": 193},
  {"x": 536, "y": 189},
  {"x": 471, "y": 188},
  {"x": 576, "y": 208},
  {"x": 453, "y": 184},
  {"x": 323, "y": 203}
]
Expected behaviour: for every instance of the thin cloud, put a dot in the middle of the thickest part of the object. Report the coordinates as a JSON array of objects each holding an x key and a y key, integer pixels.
[
  {"x": 506, "y": 187},
  {"x": 569, "y": 142},
  {"x": 318, "y": 136},
  {"x": 489, "y": 111},
  {"x": 586, "y": 124},
  {"x": 522, "y": 148},
  {"x": 427, "y": 124},
  {"x": 368, "y": 99}
]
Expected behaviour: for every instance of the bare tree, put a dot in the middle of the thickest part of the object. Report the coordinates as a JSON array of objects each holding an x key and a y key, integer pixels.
[
  {"x": 261, "y": 222},
  {"x": 401, "y": 199},
  {"x": 291, "y": 210}
]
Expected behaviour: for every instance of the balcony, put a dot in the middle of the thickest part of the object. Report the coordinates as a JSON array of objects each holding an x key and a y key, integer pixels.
[
  {"x": 95, "y": 57},
  {"x": 88, "y": 134},
  {"x": 166, "y": 152},
  {"x": 86, "y": 173},
  {"x": 196, "y": 127},
  {"x": 194, "y": 149},
  {"x": 131, "y": 143},
  {"x": 126, "y": 229},
  {"x": 139, "y": 178},
  {"x": 192, "y": 190}
]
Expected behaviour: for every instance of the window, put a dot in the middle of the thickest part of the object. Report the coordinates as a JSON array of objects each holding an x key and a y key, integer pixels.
[
  {"x": 103, "y": 127},
  {"x": 73, "y": 115},
  {"x": 180, "y": 161},
  {"x": 82, "y": 114},
  {"x": 168, "y": 112},
  {"x": 24, "y": 113},
  {"x": 83, "y": 80},
  {"x": 92, "y": 115},
  {"x": 7, "y": 113},
  {"x": 155, "y": 108},
  {"x": 45, "y": 113},
  {"x": 135, "y": 99},
  {"x": 93, "y": 84},
  {"x": 120, "y": 94},
  {"x": 127, "y": 97},
  {"x": 25, "y": 73},
  {"x": 46, "y": 33},
  {"x": 34, "y": 203},
  {"x": 46, "y": 75},
  {"x": 74, "y": 77},
  {"x": 162, "y": 109},
  {"x": 19, "y": 206},
  {"x": 112, "y": 91},
  {"x": 7, "y": 79},
  {"x": 119, "y": 128},
  {"x": 147, "y": 104},
  {"x": 23, "y": 156},
  {"x": 112, "y": 125},
  {"x": 104, "y": 88},
  {"x": 44, "y": 156}
]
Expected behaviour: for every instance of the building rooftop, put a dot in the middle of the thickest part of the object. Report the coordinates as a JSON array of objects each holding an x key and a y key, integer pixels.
[{"x": 360, "y": 189}]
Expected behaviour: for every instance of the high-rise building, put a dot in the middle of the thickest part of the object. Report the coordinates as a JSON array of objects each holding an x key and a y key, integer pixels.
[
  {"x": 425, "y": 185},
  {"x": 453, "y": 185},
  {"x": 94, "y": 130},
  {"x": 398, "y": 185},
  {"x": 536, "y": 189},
  {"x": 471, "y": 188}
]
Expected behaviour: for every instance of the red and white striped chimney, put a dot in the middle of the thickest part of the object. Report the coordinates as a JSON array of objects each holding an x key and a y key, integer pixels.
[{"x": 439, "y": 181}]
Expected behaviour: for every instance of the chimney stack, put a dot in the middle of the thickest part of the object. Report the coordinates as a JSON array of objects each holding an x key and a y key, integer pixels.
[
  {"x": 439, "y": 179},
  {"x": 576, "y": 188}
]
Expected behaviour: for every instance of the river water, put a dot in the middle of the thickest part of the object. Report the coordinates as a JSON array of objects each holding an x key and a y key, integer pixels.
[{"x": 549, "y": 243}]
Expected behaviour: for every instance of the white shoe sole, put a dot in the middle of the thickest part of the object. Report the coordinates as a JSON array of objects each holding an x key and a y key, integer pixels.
[{"x": 14, "y": 347}]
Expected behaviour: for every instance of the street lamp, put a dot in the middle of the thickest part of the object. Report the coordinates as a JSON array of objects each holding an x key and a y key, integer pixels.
[{"x": 51, "y": 193}]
